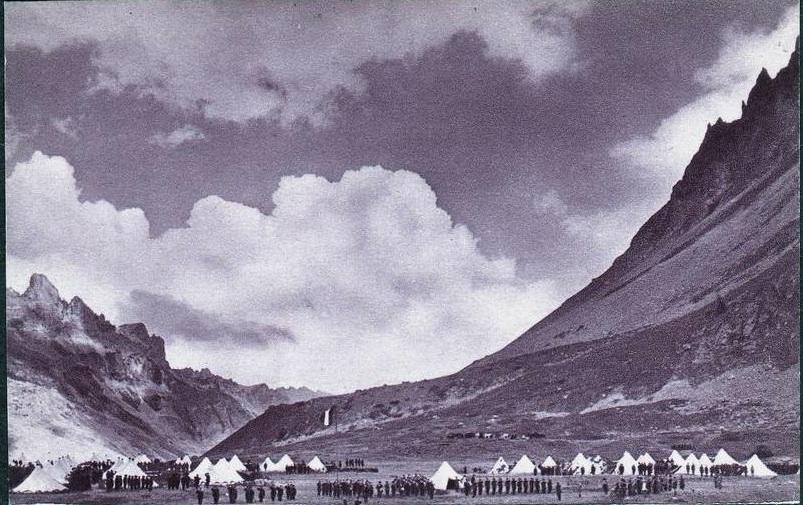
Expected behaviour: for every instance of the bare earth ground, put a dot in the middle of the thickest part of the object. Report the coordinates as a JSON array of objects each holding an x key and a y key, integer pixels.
[{"x": 698, "y": 490}]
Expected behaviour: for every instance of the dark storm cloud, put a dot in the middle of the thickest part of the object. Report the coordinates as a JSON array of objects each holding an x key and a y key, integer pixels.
[{"x": 172, "y": 318}]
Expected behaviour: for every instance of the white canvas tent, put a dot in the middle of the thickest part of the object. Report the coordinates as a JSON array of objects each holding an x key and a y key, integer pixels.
[
  {"x": 692, "y": 465},
  {"x": 627, "y": 465},
  {"x": 500, "y": 467},
  {"x": 142, "y": 459},
  {"x": 202, "y": 469},
  {"x": 723, "y": 458},
  {"x": 705, "y": 461},
  {"x": 130, "y": 469},
  {"x": 757, "y": 468},
  {"x": 39, "y": 481},
  {"x": 282, "y": 464},
  {"x": 445, "y": 473},
  {"x": 57, "y": 471},
  {"x": 120, "y": 463},
  {"x": 184, "y": 461},
  {"x": 524, "y": 466},
  {"x": 237, "y": 464},
  {"x": 580, "y": 464},
  {"x": 316, "y": 465},
  {"x": 549, "y": 463},
  {"x": 222, "y": 472},
  {"x": 60, "y": 469},
  {"x": 677, "y": 460},
  {"x": 267, "y": 465},
  {"x": 646, "y": 459},
  {"x": 587, "y": 466}
]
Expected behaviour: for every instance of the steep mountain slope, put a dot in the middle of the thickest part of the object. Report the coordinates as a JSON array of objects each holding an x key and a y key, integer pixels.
[
  {"x": 78, "y": 384},
  {"x": 691, "y": 337}
]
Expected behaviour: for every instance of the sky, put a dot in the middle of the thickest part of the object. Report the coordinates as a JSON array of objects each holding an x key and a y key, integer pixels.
[{"x": 347, "y": 194}]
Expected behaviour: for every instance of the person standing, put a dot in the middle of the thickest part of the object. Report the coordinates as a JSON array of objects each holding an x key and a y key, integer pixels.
[
  {"x": 200, "y": 495},
  {"x": 557, "y": 490},
  {"x": 215, "y": 494}
]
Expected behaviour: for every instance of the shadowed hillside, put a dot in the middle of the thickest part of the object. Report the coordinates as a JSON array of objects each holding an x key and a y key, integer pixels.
[{"x": 690, "y": 337}]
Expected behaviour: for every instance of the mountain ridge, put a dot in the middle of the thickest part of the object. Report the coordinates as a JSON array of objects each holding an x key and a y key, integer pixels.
[
  {"x": 660, "y": 349},
  {"x": 116, "y": 381}
]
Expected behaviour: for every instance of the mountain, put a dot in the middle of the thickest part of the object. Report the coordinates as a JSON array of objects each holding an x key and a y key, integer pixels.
[
  {"x": 690, "y": 339},
  {"x": 78, "y": 384}
]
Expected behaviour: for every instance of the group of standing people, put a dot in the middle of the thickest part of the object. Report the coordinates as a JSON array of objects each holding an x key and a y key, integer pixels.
[
  {"x": 364, "y": 489},
  {"x": 127, "y": 482},
  {"x": 645, "y": 485},
  {"x": 275, "y": 492},
  {"x": 353, "y": 463},
  {"x": 176, "y": 481}
]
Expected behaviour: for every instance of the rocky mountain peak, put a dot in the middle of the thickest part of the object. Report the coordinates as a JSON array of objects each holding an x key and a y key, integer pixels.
[
  {"x": 40, "y": 289},
  {"x": 78, "y": 307}
]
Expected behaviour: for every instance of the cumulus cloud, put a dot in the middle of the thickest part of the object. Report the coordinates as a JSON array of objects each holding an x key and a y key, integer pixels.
[
  {"x": 175, "y": 138},
  {"x": 664, "y": 154},
  {"x": 372, "y": 279},
  {"x": 243, "y": 60}
]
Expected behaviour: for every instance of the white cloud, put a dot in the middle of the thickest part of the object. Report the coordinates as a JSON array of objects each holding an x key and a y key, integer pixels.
[
  {"x": 663, "y": 155},
  {"x": 370, "y": 277},
  {"x": 186, "y": 133},
  {"x": 249, "y": 60}
]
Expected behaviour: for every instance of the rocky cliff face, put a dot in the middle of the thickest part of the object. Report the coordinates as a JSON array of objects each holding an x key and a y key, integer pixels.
[
  {"x": 691, "y": 337},
  {"x": 78, "y": 384}
]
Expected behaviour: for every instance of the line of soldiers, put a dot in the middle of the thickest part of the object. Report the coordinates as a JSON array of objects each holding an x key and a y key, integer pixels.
[
  {"x": 515, "y": 485},
  {"x": 413, "y": 485},
  {"x": 353, "y": 463},
  {"x": 126, "y": 482},
  {"x": 645, "y": 485},
  {"x": 276, "y": 493}
]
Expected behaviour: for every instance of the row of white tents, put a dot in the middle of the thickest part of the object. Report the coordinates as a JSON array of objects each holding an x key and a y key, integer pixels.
[
  {"x": 628, "y": 464},
  {"x": 50, "y": 476}
]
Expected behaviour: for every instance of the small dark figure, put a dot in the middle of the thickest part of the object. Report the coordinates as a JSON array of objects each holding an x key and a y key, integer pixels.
[
  {"x": 557, "y": 490},
  {"x": 200, "y": 495}
]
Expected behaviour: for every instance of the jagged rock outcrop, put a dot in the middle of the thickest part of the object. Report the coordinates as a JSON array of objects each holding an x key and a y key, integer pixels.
[
  {"x": 690, "y": 337},
  {"x": 78, "y": 384}
]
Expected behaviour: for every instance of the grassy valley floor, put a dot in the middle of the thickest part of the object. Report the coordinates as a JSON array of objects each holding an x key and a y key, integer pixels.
[{"x": 784, "y": 488}]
